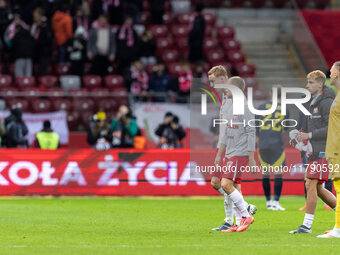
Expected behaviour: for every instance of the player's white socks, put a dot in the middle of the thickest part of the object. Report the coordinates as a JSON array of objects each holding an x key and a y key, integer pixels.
[
  {"x": 308, "y": 220},
  {"x": 228, "y": 207},
  {"x": 239, "y": 203},
  {"x": 238, "y": 215}
]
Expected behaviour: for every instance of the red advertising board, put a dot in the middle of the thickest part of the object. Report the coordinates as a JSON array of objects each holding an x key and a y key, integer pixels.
[{"x": 113, "y": 172}]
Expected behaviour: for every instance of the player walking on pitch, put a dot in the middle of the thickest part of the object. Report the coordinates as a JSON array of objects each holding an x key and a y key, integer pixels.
[
  {"x": 238, "y": 143},
  {"x": 219, "y": 75},
  {"x": 314, "y": 130},
  {"x": 333, "y": 147}
]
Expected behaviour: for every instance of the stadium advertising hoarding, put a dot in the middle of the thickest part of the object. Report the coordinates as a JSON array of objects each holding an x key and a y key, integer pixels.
[{"x": 113, "y": 172}]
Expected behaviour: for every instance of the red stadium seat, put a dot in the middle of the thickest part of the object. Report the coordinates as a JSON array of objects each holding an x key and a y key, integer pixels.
[
  {"x": 280, "y": 3},
  {"x": 180, "y": 31},
  {"x": 235, "y": 57},
  {"x": 163, "y": 44},
  {"x": 208, "y": 31},
  {"x": 214, "y": 56},
  {"x": 32, "y": 93},
  {"x": 168, "y": 19},
  {"x": 25, "y": 81},
  {"x": 83, "y": 104},
  {"x": 108, "y": 105},
  {"x": 41, "y": 105},
  {"x": 159, "y": 30},
  {"x": 18, "y": 102},
  {"x": 230, "y": 44},
  {"x": 86, "y": 117},
  {"x": 210, "y": 19},
  {"x": 92, "y": 81},
  {"x": 182, "y": 43},
  {"x": 183, "y": 18},
  {"x": 60, "y": 104},
  {"x": 79, "y": 93},
  {"x": 251, "y": 81},
  {"x": 209, "y": 44},
  {"x": 169, "y": 56},
  {"x": 224, "y": 32},
  {"x": 245, "y": 69},
  {"x": 99, "y": 93},
  {"x": 174, "y": 68},
  {"x": 119, "y": 90},
  {"x": 8, "y": 92},
  {"x": 62, "y": 69},
  {"x": 114, "y": 81},
  {"x": 48, "y": 81},
  {"x": 56, "y": 92},
  {"x": 5, "y": 80},
  {"x": 72, "y": 121}
]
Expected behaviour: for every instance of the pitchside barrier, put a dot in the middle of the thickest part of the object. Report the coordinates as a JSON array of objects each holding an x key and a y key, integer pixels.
[{"x": 118, "y": 172}]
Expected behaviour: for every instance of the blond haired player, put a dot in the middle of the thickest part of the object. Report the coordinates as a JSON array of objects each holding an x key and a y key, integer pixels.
[
  {"x": 314, "y": 130},
  {"x": 219, "y": 75},
  {"x": 333, "y": 147}
]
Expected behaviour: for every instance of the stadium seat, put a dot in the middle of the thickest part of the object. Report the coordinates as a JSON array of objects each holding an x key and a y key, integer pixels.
[
  {"x": 92, "y": 81},
  {"x": 68, "y": 82},
  {"x": 86, "y": 117},
  {"x": 108, "y": 105},
  {"x": 41, "y": 105},
  {"x": 224, "y": 32},
  {"x": 230, "y": 44},
  {"x": 164, "y": 43},
  {"x": 62, "y": 69},
  {"x": 214, "y": 56},
  {"x": 48, "y": 81},
  {"x": 182, "y": 44},
  {"x": 168, "y": 19},
  {"x": 251, "y": 81},
  {"x": 60, "y": 104},
  {"x": 99, "y": 93},
  {"x": 159, "y": 31},
  {"x": 32, "y": 93},
  {"x": 18, "y": 102},
  {"x": 169, "y": 56},
  {"x": 235, "y": 57},
  {"x": 149, "y": 68},
  {"x": 183, "y": 18},
  {"x": 8, "y": 92},
  {"x": 209, "y": 44},
  {"x": 72, "y": 121},
  {"x": 78, "y": 93},
  {"x": 208, "y": 31},
  {"x": 83, "y": 104},
  {"x": 113, "y": 81},
  {"x": 56, "y": 92},
  {"x": 179, "y": 31},
  {"x": 5, "y": 80},
  {"x": 25, "y": 81},
  {"x": 245, "y": 69},
  {"x": 210, "y": 19},
  {"x": 173, "y": 69}
]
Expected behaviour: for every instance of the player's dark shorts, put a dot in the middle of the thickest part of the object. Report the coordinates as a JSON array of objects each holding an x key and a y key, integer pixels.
[
  {"x": 234, "y": 167},
  {"x": 273, "y": 158},
  {"x": 317, "y": 169}
]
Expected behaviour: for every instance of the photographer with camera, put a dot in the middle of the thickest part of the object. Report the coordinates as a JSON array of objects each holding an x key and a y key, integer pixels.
[
  {"x": 124, "y": 128},
  {"x": 99, "y": 135},
  {"x": 170, "y": 132}
]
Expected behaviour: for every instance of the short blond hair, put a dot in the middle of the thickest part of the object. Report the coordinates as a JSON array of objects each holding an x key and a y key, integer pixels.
[
  {"x": 238, "y": 82},
  {"x": 317, "y": 75},
  {"x": 218, "y": 71}
]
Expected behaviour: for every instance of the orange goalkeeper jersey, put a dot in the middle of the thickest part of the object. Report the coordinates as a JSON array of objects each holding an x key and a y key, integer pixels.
[{"x": 333, "y": 135}]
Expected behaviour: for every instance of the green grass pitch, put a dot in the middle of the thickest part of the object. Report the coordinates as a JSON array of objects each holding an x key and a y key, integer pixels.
[{"x": 153, "y": 226}]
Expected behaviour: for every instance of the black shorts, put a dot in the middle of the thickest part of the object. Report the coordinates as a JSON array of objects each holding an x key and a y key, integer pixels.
[{"x": 273, "y": 158}]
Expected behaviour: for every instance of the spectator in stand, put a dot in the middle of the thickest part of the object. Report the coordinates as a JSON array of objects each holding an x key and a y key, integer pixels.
[
  {"x": 23, "y": 47},
  {"x": 137, "y": 79},
  {"x": 133, "y": 9},
  {"x": 124, "y": 128},
  {"x": 196, "y": 34},
  {"x": 5, "y": 18},
  {"x": 184, "y": 83},
  {"x": 11, "y": 29},
  {"x": 127, "y": 45},
  {"x": 2, "y": 132},
  {"x": 160, "y": 82},
  {"x": 116, "y": 11},
  {"x": 62, "y": 27},
  {"x": 76, "y": 49},
  {"x": 170, "y": 132},
  {"x": 101, "y": 46},
  {"x": 42, "y": 34},
  {"x": 148, "y": 45},
  {"x": 47, "y": 139},
  {"x": 200, "y": 73},
  {"x": 81, "y": 20},
  {"x": 99, "y": 135},
  {"x": 157, "y": 11},
  {"x": 16, "y": 130}
]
